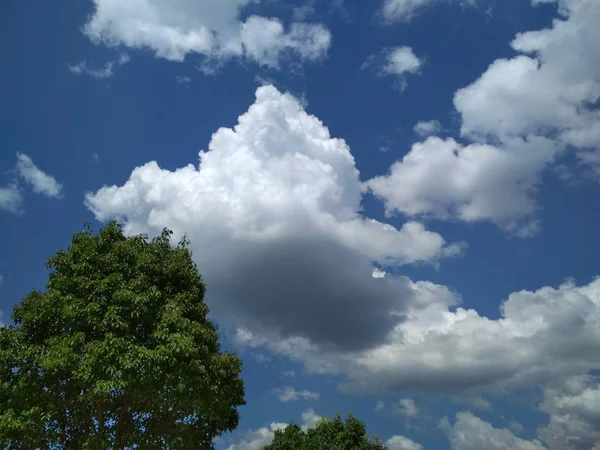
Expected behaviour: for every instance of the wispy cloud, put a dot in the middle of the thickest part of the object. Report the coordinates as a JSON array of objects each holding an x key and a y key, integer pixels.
[
  {"x": 289, "y": 394},
  {"x": 41, "y": 182},
  {"x": 184, "y": 81},
  {"x": 100, "y": 73},
  {"x": 11, "y": 199}
]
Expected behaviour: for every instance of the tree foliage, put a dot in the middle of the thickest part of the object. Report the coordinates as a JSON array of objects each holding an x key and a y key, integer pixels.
[
  {"x": 327, "y": 435},
  {"x": 117, "y": 352}
]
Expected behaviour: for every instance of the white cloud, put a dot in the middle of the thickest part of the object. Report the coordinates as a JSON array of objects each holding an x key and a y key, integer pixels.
[
  {"x": 401, "y": 60},
  {"x": 257, "y": 439},
  {"x": 11, "y": 199},
  {"x": 289, "y": 394},
  {"x": 428, "y": 128},
  {"x": 443, "y": 179},
  {"x": 549, "y": 89},
  {"x": 277, "y": 198},
  {"x": 471, "y": 433},
  {"x": 574, "y": 409},
  {"x": 542, "y": 336},
  {"x": 521, "y": 114},
  {"x": 397, "y": 62},
  {"x": 41, "y": 182},
  {"x": 402, "y": 443},
  {"x": 405, "y": 10},
  {"x": 406, "y": 407},
  {"x": 573, "y": 406},
  {"x": 379, "y": 405},
  {"x": 106, "y": 71},
  {"x": 174, "y": 29},
  {"x": 310, "y": 419}
]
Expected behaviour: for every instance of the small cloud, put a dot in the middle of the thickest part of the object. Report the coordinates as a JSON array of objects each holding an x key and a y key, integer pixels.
[
  {"x": 407, "y": 408},
  {"x": 106, "y": 71},
  {"x": 309, "y": 419},
  {"x": 41, "y": 182},
  {"x": 11, "y": 199},
  {"x": 1, "y": 280},
  {"x": 288, "y": 374},
  {"x": 184, "y": 81},
  {"x": 378, "y": 273},
  {"x": 427, "y": 128},
  {"x": 96, "y": 158},
  {"x": 398, "y": 62},
  {"x": 289, "y": 394},
  {"x": 516, "y": 427},
  {"x": 379, "y": 406},
  {"x": 261, "y": 358}
]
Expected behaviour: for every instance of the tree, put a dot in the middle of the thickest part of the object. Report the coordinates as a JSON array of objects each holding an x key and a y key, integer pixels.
[
  {"x": 327, "y": 435},
  {"x": 117, "y": 352}
]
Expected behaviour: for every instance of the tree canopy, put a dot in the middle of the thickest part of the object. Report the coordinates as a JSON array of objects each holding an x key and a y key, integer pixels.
[
  {"x": 117, "y": 352},
  {"x": 327, "y": 435}
]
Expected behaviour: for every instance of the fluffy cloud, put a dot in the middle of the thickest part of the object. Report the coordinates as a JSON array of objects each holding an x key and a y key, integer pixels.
[
  {"x": 550, "y": 89},
  {"x": 289, "y": 394},
  {"x": 273, "y": 213},
  {"x": 471, "y": 433},
  {"x": 521, "y": 114},
  {"x": 444, "y": 179},
  {"x": 406, "y": 407},
  {"x": 574, "y": 409},
  {"x": 174, "y": 29},
  {"x": 542, "y": 336},
  {"x": 106, "y": 71},
  {"x": 402, "y": 443},
  {"x": 401, "y": 60},
  {"x": 397, "y": 62},
  {"x": 40, "y": 182},
  {"x": 11, "y": 199},
  {"x": 257, "y": 439},
  {"x": 428, "y": 128}
]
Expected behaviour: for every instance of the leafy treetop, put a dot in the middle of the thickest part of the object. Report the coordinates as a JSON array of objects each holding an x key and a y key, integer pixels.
[
  {"x": 117, "y": 352},
  {"x": 327, "y": 435}
]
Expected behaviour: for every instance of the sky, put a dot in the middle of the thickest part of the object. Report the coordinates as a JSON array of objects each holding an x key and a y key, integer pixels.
[{"x": 393, "y": 203}]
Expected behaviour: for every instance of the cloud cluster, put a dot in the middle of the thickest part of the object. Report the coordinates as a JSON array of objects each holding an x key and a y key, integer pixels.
[
  {"x": 521, "y": 114},
  {"x": 273, "y": 212},
  {"x": 546, "y": 335},
  {"x": 173, "y": 29},
  {"x": 573, "y": 407},
  {"x": 471, "y": 433}
]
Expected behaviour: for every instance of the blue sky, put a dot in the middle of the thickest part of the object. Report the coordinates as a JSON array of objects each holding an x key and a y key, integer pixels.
[{"x": 395, "y": 213}]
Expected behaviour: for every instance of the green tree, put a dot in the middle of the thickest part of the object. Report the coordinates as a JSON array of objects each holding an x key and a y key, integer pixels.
[
  {"x": 327, "y": 435},
  {"x": 117, "y": 352}
]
